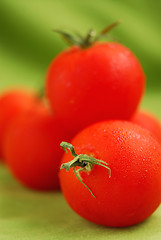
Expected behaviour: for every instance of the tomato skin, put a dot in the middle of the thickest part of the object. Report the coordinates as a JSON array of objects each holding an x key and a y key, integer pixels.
[
  {"x": 13, "y": 102},
  {"x": 104, "y": 81},
  {"x": 32, "y": 148},
  {"x": 133, "y": 192},
  {"x": 149, "y": 122}
]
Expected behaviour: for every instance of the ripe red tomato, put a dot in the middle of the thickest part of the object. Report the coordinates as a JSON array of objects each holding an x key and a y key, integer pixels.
[
  {"x": 133, "y": 192},
  {"x": 148, "y": 121},
  {"x": 12, "y": 103},
  {"x": 103, "y": 81},
  {"x": 31, "y": 148}
]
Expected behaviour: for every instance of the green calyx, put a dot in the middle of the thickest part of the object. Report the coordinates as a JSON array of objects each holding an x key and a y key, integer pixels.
[
  {"x": 91, "y": 37},
  {"x": 84, "y": 161}
]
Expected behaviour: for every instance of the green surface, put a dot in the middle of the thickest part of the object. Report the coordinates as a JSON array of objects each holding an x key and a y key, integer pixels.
[
  {"x": 27, "y": 45},
  {"x": 27, "y": 215}
]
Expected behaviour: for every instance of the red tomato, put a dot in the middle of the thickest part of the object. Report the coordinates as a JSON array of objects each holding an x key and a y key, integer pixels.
[
  {"x": 104, "y": 81},
  {"x": 133, "y": 192},
  {"x": 11, "y": 104},
  {"x": 32, "y": 150},
  {"x": 148, "y": 121}
]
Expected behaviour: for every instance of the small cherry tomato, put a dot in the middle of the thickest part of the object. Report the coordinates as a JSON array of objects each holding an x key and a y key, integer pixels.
[
  {"x": 13, "y": 102},
  {"x": 94, "y": 81},
  {"x": 132, "y": 192},
  {"x": 31, "y": 148},
  {"x": 148, "y": 121}
]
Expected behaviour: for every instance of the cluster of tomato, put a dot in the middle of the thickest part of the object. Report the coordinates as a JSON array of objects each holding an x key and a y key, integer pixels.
[{"x": 93, "y": 91}]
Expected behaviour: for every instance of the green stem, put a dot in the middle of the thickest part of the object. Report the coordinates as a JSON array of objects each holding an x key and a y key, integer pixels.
[
  {"x": 69, "y": 146},
  {"x": 77, "y": 176},
  {"x": 109, "y": 27},
  {"x": 89, "y": 39},
  {"x": 84, "y": 161}
]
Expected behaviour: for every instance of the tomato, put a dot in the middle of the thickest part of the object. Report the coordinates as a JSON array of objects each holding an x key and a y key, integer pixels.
[
  {"x": 31, "y": 148},
  {"x": 103, "y": 81},
  {"x": 132, "y": 193},
  {"x": 148, "y": 121},
  {"x": 12, "y": 102}
]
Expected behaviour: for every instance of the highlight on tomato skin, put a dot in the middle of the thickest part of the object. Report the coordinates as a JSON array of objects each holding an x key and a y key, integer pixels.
[
  {"x": 133, "y": 192},
  {"x": 32, "y": 150},
  {"x": 148, "y": 121},
  {"x": 12, "y": 103}
]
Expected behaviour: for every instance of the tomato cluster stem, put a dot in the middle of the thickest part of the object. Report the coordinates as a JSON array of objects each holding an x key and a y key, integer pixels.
[
  {"x": 89, "y": 39},
  {"x": 84, "y": 161}
]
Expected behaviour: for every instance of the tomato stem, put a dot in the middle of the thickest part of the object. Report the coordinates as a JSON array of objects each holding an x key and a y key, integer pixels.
[
  {"x": 89, "y": 39},
  {"x": 84, "y": 161}
]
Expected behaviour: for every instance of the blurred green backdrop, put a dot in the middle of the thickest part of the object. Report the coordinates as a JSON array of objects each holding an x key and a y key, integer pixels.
[{"x": 27, "y": 44}]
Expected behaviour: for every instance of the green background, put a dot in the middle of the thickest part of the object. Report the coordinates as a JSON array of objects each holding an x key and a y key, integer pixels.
[{"x": 27, "y": 45}]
